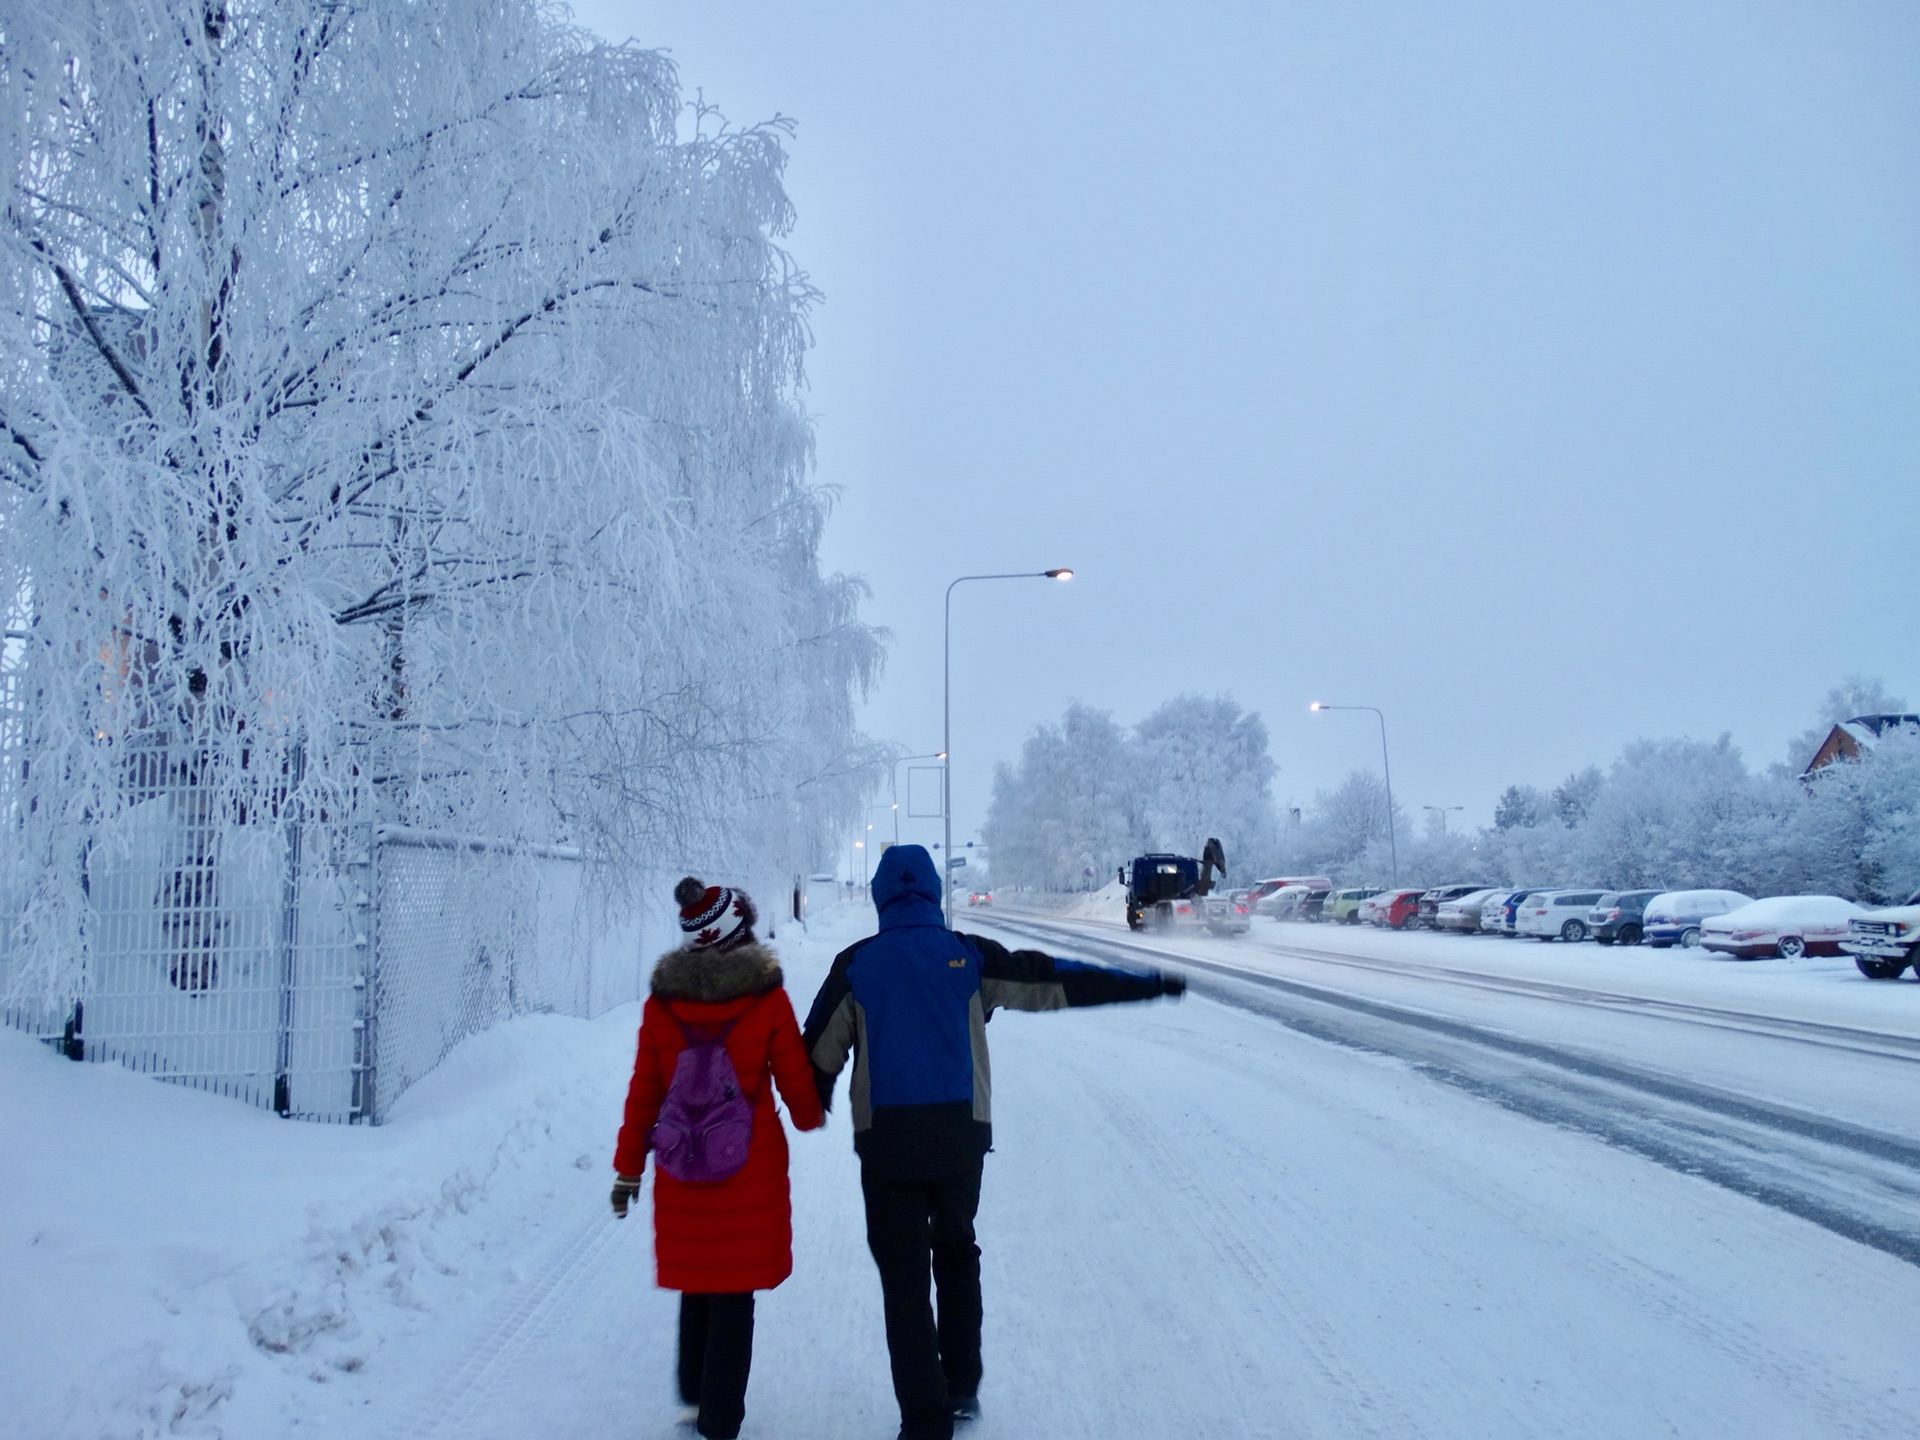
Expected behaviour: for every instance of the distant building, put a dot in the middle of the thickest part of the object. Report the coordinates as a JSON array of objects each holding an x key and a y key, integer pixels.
[{"x": 1851, "y": 739}]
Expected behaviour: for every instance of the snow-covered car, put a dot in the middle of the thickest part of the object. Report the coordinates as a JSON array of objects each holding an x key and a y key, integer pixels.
[
  {"x": 1785, "y": 925},
  {"x": 1616, "y": 916},
  {"x": 1674, "y": 918},
  {"x": 1265, "y": 889},
  {"x": 1343, "y": 906},
  {"x": 1555, "y": 914},
  {"x": 1462, "y": 915},
  {"x": 1884, "y": 942}
]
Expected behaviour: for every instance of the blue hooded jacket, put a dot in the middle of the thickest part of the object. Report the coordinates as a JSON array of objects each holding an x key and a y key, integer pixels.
[{"x": 909, "y": 1006}]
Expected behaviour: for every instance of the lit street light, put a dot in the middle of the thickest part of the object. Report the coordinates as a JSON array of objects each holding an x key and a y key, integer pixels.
[
  {"x": 1393, "y": 845},
  {"x": 946, "y": 725}
]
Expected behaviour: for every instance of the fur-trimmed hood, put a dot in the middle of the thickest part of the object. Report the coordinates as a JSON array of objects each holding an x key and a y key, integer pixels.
[{"x": 713, "y": 977}]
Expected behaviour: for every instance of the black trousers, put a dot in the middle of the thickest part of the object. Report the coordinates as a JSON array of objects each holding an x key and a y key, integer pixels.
[
  {"x": 716, "y": 1351},
  {"x": 914, "y": 1226}
]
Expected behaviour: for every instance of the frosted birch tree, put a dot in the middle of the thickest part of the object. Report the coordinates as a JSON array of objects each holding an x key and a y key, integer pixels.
[{"x": 417, "y": 386}]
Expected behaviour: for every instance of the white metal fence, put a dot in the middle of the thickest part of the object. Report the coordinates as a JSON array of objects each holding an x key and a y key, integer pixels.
[{"x": 321, "y": 969}]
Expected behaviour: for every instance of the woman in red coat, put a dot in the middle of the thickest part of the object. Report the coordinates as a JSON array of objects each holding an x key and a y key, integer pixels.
[{"x": 718, "y": 1241}]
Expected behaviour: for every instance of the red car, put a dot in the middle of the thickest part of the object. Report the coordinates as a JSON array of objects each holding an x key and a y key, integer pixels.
[{"x": 1398, "y": 909}]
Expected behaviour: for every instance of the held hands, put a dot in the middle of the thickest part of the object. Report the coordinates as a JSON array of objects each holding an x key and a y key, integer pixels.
[{"x": 624, "y": 1190}]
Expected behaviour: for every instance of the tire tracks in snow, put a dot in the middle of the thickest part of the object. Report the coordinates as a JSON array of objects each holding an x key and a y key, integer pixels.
[{"x": 1858, "y": 1183}]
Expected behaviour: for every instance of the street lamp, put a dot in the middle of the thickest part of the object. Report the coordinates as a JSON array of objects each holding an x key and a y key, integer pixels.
[
  {"x": 1442, "y": 810},
  {"x": 1393, "y": 845},
  {"x": 946, "y": 724}
]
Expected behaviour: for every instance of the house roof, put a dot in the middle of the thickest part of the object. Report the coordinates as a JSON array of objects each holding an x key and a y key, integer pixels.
[{"x": 1849, "y": 739}]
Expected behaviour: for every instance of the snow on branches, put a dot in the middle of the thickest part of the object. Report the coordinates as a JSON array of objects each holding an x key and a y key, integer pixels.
[
  {"x": 419, "y": 383},
  {"x": 1088, "y": 796}
]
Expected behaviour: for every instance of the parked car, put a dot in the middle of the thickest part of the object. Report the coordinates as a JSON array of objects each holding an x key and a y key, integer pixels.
[
  {"x": 1462, "y": 914},
  {"x": 1397, "y": 909},
  {"x": 1264, "y": 888},
  {"x": 1284, "y": 903},
  {"x": 1439, "y": 895},
  {"x": 1313, "y": 903},
  {"x": 1497, "y": 917},
  {"x": 1673, "y": 918},
  {"x": 1884, "y": 942},
  {"x": 1785, "y": 925},
  {"x": 1616, "y": 917},
  {"x": 1555, "y": 914},
  {"x": 1343, "y": 906}
]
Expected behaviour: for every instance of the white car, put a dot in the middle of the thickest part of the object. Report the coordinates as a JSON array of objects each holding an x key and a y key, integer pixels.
[
  {"x": 1785, "y": 925},
  {"x": 1463, "y": 914},
  {"x": 1675, "y": 917},
  {"x": 1284, "y": 903},
  {"x": 1884, "y": 942},
  {"x": 1495, "y": 918},
  {"x": 1555, "y": 914}
]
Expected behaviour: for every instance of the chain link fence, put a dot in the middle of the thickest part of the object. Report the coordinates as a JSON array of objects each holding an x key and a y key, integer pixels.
[{"x": 315, "y": 969}]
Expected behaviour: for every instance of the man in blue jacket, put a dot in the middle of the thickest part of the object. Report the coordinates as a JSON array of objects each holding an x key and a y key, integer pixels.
[{"x": 909, "y": 1006}]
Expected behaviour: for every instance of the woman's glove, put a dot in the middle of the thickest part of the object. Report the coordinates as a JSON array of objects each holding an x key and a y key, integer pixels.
[
  {"x": 624, "y": 1189},
  {"x": 1173, "y": 986}
]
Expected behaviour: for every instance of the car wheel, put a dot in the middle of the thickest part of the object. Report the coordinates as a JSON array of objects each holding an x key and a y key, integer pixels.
[
  {"x": 1629, "y": 934},
  {"x": 1574, "y": 931},
  {"x": 1690, "y": 937},
  {"x": 1791, "y": 947},
  {"x": 1880, "y": 969}
]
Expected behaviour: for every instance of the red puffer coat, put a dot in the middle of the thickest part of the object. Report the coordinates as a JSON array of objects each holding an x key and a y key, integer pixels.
[{"x": 735, "y": 1234}]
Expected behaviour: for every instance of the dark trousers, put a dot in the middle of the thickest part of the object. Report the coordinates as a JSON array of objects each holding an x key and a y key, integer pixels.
[
  {"x": 914, "y": 1226},
  {"x": 716, "y": 1351}
]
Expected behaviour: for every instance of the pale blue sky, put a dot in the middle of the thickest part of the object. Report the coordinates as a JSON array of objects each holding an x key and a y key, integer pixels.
[{"x": 1544, "y": 374}]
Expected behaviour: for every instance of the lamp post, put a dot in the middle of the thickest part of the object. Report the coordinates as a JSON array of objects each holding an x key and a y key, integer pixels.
[
  {"x": 894, "y": 782},
  {"x": 1393, "y": 845},
  {"x": 946, "y": 725},
  {"x": 1442, "y": 810}
]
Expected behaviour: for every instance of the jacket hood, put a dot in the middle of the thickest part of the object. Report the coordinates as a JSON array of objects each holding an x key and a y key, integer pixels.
[
  {"x": 713, "y": 977},
  {"x": 906, "y": 887}
]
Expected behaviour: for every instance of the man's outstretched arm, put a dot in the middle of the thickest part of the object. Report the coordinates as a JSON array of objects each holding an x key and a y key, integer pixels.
[{"x": 1033, "y": 980}]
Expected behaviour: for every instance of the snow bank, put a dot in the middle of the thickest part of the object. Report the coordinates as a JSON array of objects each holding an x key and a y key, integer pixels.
[{"x": 1109, "y": 902}]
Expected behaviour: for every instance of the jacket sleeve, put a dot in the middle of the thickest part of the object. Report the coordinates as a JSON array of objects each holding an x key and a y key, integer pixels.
[
  {"x": 1031, "y": 980},
  {"x": 644, "y": 1095},
  {"x": 830, "y": 1031},
  {"x": 791, "y": 1073}
]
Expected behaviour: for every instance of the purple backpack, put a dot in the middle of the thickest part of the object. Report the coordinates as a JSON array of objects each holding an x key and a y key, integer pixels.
[{"x": 705, "y": 1123}]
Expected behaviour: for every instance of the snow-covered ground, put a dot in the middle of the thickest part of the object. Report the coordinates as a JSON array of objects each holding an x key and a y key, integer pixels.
[{"x": 1196, "y": 1222}]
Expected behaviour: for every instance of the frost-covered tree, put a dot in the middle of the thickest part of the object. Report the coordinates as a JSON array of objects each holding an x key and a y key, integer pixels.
[
  {"x": 417, "y": 384},
  {"x": 1520, "y": 806},
  {"x": 1573, "y": 797},
  {"x": 1088, "y": 794},
  {"x": 1205, "y": 771}
]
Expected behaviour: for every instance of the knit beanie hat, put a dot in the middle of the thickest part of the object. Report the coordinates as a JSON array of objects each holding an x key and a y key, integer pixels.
[{"x": 714, "y": 917}]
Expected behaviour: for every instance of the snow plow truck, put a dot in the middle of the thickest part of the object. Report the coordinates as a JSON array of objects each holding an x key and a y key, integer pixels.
[{"x": 1176, "y": 891}]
